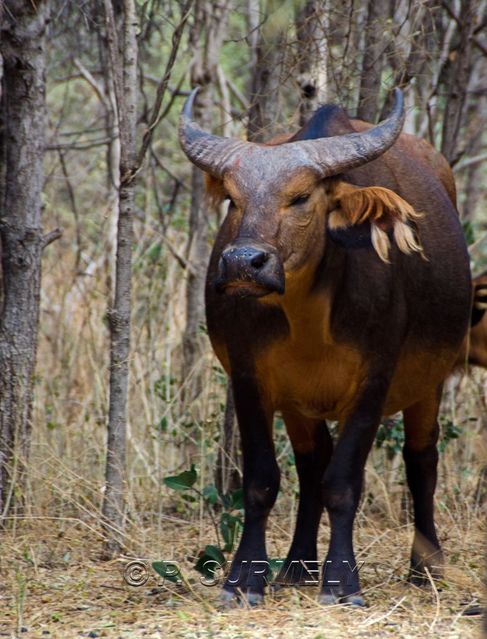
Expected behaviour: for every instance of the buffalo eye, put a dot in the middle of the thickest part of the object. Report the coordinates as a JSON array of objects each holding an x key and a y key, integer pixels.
[
  {"x": 300, "y": 199},
  {"x": 231, "y": 203}
]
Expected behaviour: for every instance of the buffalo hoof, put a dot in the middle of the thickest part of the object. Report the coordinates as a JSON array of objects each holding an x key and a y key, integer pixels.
[
  {"x": 329, "y": 599},
  {"x": 420, "y": 578},
  {"x": 276, "y": 587},
  {"x": 234, "y": 599}
]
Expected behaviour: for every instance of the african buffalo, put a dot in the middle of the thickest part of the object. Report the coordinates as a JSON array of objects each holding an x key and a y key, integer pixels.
[{"x": 338, "y": 289}]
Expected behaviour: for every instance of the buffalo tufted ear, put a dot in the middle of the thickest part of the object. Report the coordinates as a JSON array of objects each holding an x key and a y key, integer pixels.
[
  {"x": 375, "y": 212},
  {"x": 215, "y": 191}
]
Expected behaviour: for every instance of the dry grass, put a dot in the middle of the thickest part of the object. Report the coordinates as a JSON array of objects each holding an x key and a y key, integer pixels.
[{"x": 54, "y": 583}]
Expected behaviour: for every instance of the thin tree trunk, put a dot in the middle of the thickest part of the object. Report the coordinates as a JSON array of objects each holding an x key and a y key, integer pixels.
[
  {"x": 227, "y": 474},
  {"x": 312, "y": 30},
  {"x": 476, "y": 121},
  {"x": 372, "y": 61},
  {"x": 266, "y": 78},
  {"x": 253, "y": 20},
  {"x": 457, "y": 77},
  {"x": 22, "y": 48},
  {"x": 125, "y": 81}
]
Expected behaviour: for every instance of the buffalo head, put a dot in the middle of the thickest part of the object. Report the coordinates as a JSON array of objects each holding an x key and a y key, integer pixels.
[{"x": 283, "y": 196}]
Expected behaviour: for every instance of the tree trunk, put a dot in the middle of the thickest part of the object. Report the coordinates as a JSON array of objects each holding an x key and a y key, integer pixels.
[
  {"x": 266, "y": 78},
  {"x": 473, "y": 190},
  {"x": 227, "y": 474},
  {"x": 124, "y": 65},
  {"x": 312, "y": 29},
  {"x": 372, "y": 61},
  {"x": 457, "y": 75},
  {"x": 22, "y": 47}
]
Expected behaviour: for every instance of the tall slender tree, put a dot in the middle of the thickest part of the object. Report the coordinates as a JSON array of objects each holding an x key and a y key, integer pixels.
[
  {"x": 312, "y": 22},
  {"x": 373, "y": 60},
  {"x": 123, "y": 58},
  {"x": 123, "y": 54},
  {"x": 266, "y": 74}
]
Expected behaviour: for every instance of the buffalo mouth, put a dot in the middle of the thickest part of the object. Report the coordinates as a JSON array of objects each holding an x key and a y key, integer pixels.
[{"x": 240, "y": 288}]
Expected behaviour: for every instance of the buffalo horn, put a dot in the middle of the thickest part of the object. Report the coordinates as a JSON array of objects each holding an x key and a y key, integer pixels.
[{"x": 327, "y": 156}]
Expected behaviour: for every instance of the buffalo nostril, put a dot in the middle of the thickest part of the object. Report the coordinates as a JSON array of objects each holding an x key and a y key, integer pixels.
[{"x": 259, "y": 259}]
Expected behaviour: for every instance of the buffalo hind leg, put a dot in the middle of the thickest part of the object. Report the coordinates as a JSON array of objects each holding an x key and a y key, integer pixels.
[
  {"x": 312, "y": 446},
  {"x": 421, "y": 459},
  {"x": 249, "y": 570}
]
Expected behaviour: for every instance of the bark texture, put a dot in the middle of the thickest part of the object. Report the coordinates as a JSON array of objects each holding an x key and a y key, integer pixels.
[
  {"x": 124, "y": 64},
  {"x": 266, "y": 75},
  {"x": 457, "y": 74},
  {"x": 311, "y": 28},
  {"x": 370, "y": 79},
  {"x": 23, "y": 115}
]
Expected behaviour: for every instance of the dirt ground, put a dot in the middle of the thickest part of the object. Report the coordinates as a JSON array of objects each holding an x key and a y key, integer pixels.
[{"x": 54, "y": 585}]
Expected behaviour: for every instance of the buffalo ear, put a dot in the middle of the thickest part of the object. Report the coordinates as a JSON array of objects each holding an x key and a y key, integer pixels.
[
  {"x": 386, "y": 212},
  {"x": 215, "y": 191}
]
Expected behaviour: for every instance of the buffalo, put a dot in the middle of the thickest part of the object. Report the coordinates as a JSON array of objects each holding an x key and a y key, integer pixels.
[{"x": 338, "y": 289}]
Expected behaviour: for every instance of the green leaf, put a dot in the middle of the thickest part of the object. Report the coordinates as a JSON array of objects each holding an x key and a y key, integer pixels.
[
  {"x": 154, "y": 252},
  {"x": 183, "y": 481},
  {"x": 237, "y": 499},
  {"x": 210, "y": 493},
  {"x": 468, "y": 231},
  {"x": 207, "y": 559},
  {"x": 230, "y": 526},
  {"x": 168, "y": 570},
  {"x": 162, "y": 425}
]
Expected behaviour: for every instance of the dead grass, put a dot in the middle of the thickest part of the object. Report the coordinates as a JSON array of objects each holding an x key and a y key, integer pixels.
[{"x": 53, "y": 584}]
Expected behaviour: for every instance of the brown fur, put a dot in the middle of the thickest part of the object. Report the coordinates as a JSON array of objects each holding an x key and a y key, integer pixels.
[
  {"x": 384, "y": 209},
  {"x": 215, "y": 191}
]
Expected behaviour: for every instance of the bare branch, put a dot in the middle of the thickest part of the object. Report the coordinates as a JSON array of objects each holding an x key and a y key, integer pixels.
[
  {"x": 181, "y": 260},
  {"x": 164, "y": 168},
  {"x": 237, "y": 94},
  {"x": 86, "y": 75},
  {"x": 67, "y": 146},
  {"x": 161, "y": 89},
  {"x": 476, "y": 159},
  {"x": 52, "y": 236}
]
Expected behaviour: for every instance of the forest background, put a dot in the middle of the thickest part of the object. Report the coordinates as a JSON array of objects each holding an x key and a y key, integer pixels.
[{"x": 96, "y": 193}]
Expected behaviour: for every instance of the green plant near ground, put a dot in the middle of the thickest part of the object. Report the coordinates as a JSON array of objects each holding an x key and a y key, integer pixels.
[
  {"x": 225, "y": 512},
  {"x": 390, "y": 435}
]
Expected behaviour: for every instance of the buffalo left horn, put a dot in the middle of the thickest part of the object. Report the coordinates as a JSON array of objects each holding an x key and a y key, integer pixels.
[{"x": 209, "y": 152}]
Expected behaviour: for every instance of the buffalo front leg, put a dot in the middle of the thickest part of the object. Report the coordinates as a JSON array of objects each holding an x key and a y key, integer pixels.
[
  {"x": 421, "y": 459},
  {"x": 312, "y": 446},
  {"x": 249, "y": 570},
  {"x": 341, "y": 490}
]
